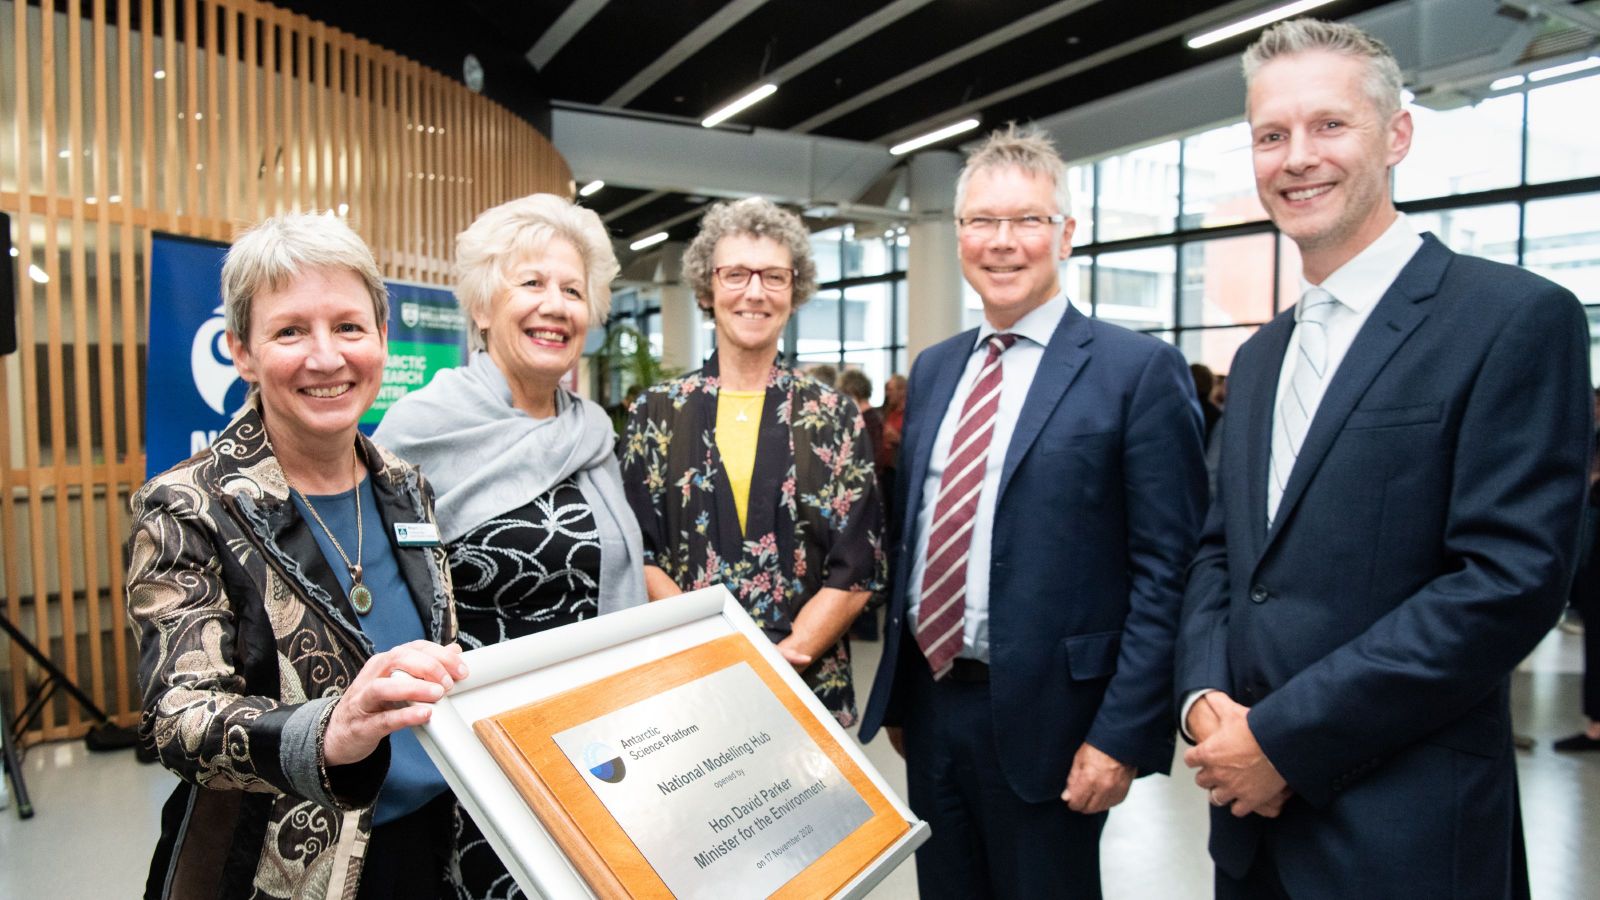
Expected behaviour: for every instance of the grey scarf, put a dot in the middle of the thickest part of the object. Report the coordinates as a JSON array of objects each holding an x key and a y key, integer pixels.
[{"x": 485, "y": 457}]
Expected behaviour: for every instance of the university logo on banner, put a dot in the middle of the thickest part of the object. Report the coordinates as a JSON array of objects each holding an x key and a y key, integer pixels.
[{"x": 192, "y": 387}]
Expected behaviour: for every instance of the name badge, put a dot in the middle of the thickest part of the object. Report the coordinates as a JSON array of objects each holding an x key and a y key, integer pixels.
[{"x": 416, "y": 534}]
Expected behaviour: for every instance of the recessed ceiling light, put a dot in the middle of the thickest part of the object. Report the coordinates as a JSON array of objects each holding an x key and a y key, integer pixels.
[
  {"x": 590, "y": 188},
  {"x": 650, "y": 241}
]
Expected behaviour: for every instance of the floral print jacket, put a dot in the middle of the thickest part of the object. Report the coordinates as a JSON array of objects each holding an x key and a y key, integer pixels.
[
  {"x": 245, "y": 642},
  {"x": 814, "y": 518}
]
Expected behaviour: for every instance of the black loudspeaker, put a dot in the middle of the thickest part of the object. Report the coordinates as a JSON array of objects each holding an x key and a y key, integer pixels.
[{"x": 8, "y": 290}]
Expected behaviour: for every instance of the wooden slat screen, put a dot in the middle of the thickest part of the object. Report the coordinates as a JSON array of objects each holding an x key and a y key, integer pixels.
[{"x": 125, "y": 116}]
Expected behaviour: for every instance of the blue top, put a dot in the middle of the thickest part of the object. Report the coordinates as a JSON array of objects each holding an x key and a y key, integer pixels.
[{"x": 413, "y": 779}]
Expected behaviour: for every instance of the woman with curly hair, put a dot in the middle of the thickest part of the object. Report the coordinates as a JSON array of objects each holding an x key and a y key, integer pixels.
[{"x": 745, "y": 473}]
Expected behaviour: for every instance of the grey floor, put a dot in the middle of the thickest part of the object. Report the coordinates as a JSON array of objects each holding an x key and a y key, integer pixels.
[{"x": 96, "y": 813}]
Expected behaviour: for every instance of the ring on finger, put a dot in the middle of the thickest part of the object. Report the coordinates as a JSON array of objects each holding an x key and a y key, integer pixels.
[{"x": 1216, "y": 799}]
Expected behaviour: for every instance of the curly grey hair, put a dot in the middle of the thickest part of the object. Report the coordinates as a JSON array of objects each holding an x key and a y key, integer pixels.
[
  {"x": 750, "y": 217},
  {"x": 507, "y": 234},
  {"x": 272, "y": 254},
  {"x": 1028, "y": 149},
  {"x": 1382, "y": 81}
]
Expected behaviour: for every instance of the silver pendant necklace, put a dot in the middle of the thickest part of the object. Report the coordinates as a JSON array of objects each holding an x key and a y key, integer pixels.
[{"x": 360, "y": 596}]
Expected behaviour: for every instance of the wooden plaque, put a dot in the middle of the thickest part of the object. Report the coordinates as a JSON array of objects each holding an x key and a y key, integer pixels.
[{"x": 523, "y": 742}]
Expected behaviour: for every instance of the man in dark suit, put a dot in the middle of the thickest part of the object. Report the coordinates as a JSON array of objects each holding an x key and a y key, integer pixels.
[
  {"x": 1403, "y": 466},
  {"x": 1051, "y": 488}
]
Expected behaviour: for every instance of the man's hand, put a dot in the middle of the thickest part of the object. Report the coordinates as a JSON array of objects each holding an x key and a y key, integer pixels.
[
  {"x": 1203, "y": 719},
  {"x": 1097, "y": 782},
  {"x": 897, "y": 739},
  {"x": 1232, "y": 767}
]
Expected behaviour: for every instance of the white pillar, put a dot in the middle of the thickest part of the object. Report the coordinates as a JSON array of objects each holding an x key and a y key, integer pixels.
[
  {"x": 933, "y": 269},
  {"x": 680, "y": 316}
]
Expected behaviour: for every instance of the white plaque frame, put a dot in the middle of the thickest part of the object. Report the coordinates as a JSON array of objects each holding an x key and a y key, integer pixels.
[{"x": 515, "y": 673}]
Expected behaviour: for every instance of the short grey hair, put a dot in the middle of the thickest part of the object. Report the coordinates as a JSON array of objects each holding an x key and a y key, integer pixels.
[
  {"x": 272, "y": 254},
  {"x": 1382, "y": 81},
  {"x": 1028, "y": 149},
  {"x": 755, "y": 217},
  {"x": 508, "y": 234}
]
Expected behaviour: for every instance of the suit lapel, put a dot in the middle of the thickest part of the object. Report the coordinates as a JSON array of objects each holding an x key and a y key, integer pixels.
[
  {"x": 1064, "y": 357},
  {"x": 1397, "y": 314},
  {"x": 926, "y": 407},
  {"x": 1257, "y": 399}
]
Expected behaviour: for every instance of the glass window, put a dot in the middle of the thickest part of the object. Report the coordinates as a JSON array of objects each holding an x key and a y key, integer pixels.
[
  {"x": 1561, "y": 131},
  {"x": 1563, "y": 242},
  {"x": 1219, "y": 185},
  {"x": 866, "y": 315},
  {"x": 1214, "y": 347},
  {"x": 816, "y": 325},
  {"x": 825, "y": 250},
  {"x": 1134, "y": 288},
  {"x": 1487, "y": 231},
  {"x": 1458, "y": 151},
  {"x": 1227, "y": 282},
  {"x": 1076, "y": 275},
  {"x": 1138, "y": 193},
  {"x": 864, "y": 256},
  {"x": 1080, "y": 180}
]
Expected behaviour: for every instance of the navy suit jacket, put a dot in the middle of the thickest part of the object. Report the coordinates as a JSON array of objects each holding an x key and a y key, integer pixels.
[
  {"x": 1099, "y": 506},
  {"x": 1423, "y": 546}
]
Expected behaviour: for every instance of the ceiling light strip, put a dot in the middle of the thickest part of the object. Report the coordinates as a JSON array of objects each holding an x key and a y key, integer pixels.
[
  {"x": 933, "y": 137},
  {"x": 1260, "y": 20},
  {"x": 740, "y": 105}
]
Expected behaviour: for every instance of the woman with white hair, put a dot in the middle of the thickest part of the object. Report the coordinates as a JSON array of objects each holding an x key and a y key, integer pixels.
[
  {"x": 747, "y": 474},
  {"x": 271, "y": 605},
  {"x": 531, "y": 508}
]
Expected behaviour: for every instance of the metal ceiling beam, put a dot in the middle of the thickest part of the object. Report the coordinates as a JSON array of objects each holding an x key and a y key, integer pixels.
[
  {"x": 632, "y": 205},
  {"x": 562, "y": 30},
  {"x": 1143, "y": 42},
  {"x": 717, "y": 162},
  {"x": 687, "y": 46},
  {"x": 944, "y": 61},
  {"x": 856, "y": 33}
]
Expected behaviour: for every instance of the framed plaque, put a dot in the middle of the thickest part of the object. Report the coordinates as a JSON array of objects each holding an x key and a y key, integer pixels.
[{"x": 664, "y": 751}]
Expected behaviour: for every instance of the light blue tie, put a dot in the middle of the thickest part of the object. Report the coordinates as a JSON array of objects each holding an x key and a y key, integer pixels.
[{"x": 1299, "y": 404}]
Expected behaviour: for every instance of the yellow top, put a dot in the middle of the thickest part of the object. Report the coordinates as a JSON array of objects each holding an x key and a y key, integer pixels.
[{"x": 738, "y": 425}]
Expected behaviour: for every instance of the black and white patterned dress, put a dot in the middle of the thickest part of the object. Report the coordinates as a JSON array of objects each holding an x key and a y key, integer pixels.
[{"x": 534, "y": 568}]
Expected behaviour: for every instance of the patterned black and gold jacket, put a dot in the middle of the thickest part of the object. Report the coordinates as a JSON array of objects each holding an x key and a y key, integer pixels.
[{"x": 245, "y": 642}]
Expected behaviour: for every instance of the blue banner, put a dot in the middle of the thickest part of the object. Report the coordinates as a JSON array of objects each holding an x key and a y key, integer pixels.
[{"x": 192, "y": 388}]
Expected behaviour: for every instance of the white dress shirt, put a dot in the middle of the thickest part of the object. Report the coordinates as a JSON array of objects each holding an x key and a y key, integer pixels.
[
  {"x": 1018, "y": 365},
  {"x": 1358, "y": 285}
]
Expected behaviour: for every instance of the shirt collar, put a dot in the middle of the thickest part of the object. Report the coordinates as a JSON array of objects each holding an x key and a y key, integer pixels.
[
  {"x": 1037, "y": 326},
  {"x": 1360, "y": 283}
]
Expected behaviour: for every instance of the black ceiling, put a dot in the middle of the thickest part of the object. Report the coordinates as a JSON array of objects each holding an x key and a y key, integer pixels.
[{"x": 623, "y": 38}]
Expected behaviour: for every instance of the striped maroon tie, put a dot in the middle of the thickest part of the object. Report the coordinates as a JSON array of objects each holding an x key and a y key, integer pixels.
[{"x": 944, "y": 581}]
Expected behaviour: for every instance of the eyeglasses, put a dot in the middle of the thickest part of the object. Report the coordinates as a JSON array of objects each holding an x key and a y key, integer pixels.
[
  {"x": 1019, "y": 224},
  {"x": 736, "y": 278}
]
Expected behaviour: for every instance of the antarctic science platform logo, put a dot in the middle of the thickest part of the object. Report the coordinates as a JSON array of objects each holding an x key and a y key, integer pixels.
[{"x": 603, "y": 763}]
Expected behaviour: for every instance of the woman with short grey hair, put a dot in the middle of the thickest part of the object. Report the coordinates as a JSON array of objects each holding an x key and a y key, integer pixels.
[
  {"x": 531, "y": 507},
  {"x": 747, "y": 474},
  {"x": 270, "y": 605}
]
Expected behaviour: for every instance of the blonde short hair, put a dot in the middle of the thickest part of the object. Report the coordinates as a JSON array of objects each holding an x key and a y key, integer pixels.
[
  {"x": 507, "y": 234},
  {"x": 272, "y": 254},
  {"x": 750, "y": 217},
  {"x": 1382, "y": 81},
  {"x": 1028, "y": 149}
]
